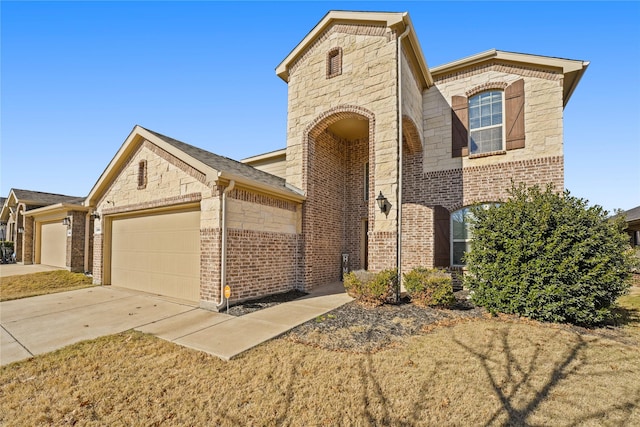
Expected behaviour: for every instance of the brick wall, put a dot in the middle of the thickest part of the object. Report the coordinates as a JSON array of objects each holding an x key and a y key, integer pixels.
[
  {"x": 98, "y": 260},
  {"x": 261, "y": 263},
  {"x": 75, "y": 242},
  {"x": 210, "y": 255},
  {"x": 27, "y": 247}
]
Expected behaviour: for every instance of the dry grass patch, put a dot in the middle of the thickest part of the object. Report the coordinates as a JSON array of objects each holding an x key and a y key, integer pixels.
[
  {"x": 480, "y": 372},
  {"x": 48, "y": 282}
]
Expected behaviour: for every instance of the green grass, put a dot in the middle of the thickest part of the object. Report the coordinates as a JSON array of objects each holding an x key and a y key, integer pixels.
[{"x": 48, "y": 282}]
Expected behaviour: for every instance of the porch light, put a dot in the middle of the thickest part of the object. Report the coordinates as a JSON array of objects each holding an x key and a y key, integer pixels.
[
  {"x": 382, "y": 203},
  {"x": 95, "y": 215},
  {"x": 66, "y": 221},
  {"x": 20, "y": 230}
]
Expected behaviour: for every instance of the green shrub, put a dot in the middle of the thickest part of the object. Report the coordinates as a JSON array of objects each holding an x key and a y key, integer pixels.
[
  {"x": 547, "y": 256},
  {"x": 429, "y": 287},
  {"x": 371, "y": 288}
]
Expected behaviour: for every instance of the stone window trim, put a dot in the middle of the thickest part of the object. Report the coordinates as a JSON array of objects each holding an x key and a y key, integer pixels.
[
  {"x": 334, "y": 62},
  {"x": 485, "y": 87},
  {"x": 142, "y": 174}
]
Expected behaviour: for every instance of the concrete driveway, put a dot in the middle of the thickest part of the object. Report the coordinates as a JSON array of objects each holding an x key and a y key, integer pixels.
[
  {"x": 37, "y": 325},
  {"x": 7, "y": 270}
]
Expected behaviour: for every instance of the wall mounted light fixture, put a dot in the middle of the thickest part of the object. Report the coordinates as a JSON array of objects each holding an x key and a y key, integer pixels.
[
  {"x": 20, "y": 230},
  {"x": 383, "y": 203},
  {"x": 66, "y": 221},
  {"x": 95, "y": 215}
]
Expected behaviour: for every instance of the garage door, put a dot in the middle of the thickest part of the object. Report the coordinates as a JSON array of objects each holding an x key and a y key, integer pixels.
[
  {"x": 158, "y": 254},
  {"x": 53, "y": 244}
]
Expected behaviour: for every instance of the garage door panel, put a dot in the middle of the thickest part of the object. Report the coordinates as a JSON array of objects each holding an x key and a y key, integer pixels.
[
  {"x": 158, "y": 254},
  {"x": 53, "y": 244}
]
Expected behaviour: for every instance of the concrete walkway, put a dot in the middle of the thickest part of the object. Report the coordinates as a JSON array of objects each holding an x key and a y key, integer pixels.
[{"x": 38, "y": 325}]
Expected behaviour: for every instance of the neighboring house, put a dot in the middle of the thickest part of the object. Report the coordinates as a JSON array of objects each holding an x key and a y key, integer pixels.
[
  {"x": 3, "y": 223},
  {"x": 383, "y": 156},
  {"x": 34, "y": 223},
  {"x": 632, "y": 217}
]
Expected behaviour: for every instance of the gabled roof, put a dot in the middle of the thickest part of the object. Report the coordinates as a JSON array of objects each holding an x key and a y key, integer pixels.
[
  {"x": 633, "y": 215},
  {"x": 216, "y": 168},
  {"x": 30, "y": 197},
  {"x": 398, "y": 21},
  {"x": 571, "y": 69},
  {"x": 34, "y": 200}
]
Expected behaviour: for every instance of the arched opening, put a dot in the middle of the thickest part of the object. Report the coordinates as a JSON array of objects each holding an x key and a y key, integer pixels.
[{"x": 340, "y": 196}]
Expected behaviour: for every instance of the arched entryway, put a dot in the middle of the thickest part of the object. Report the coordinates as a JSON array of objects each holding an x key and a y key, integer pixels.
[{"x": 338, "y": 180}]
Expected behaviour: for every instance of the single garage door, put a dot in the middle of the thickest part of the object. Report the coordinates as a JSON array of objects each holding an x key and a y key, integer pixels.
[
  {"x": 53, "y": 244},
  {"x": 158, "y": 254}
]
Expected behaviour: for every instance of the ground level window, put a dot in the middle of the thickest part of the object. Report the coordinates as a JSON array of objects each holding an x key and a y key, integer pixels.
[{"x": 461, "y": 234}]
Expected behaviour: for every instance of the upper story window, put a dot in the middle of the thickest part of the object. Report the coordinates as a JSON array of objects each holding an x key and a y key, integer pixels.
[
  {"x": 490, "y": 121},
  {"x": 334, "y": 62},
  {"x": 485, "y": 122}
]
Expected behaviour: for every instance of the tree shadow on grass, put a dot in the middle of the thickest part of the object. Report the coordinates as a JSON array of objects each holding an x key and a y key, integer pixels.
[{"x": 513, "y": 378}]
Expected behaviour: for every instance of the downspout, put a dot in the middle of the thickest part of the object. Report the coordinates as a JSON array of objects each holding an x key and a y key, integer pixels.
[
  {"x": 223, "y": 252},
  {"x": 87, "y": 230},
  {"x": 400, "y": 153}
]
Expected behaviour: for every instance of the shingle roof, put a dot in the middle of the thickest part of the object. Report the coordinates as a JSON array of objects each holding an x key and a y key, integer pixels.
[
  {"x": 224, "y": 164},
  {"x": 45, "y": 199},
  {"x": 633, "y": 214}
]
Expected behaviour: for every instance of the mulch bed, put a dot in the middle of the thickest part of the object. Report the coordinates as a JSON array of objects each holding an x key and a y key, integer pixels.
[
  {"x": 247, "y": 307},
  {"x": 356, "y": 328}
]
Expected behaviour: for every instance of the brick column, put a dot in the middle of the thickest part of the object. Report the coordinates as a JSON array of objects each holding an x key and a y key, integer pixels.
[
  {"x": 28, "y": 241},
  {"x": 75, "y": 242}
]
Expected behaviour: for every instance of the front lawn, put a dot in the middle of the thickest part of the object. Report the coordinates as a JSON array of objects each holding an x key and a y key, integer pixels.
[
  {"x": 478, "y": 371},
  {"x": 48, "y": 282}
]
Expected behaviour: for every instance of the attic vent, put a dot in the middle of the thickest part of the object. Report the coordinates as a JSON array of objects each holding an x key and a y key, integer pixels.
[
  {"x": 142, "y": 174},
  {"x": 334, "y": 62}
]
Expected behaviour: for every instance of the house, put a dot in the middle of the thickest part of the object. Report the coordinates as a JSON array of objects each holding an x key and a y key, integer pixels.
[
  {"x": 632, "y": 217},
  {"x": 34, "y": 223},
  {"x": 383, "y": 156}
]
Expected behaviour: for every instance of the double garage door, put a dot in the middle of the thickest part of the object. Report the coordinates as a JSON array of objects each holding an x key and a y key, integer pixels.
[{"x": 159, "y": 254}]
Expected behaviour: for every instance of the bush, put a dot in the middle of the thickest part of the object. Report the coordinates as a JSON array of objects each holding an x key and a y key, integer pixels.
[
  {"x": 429, "y": 287},
  {"x": 371, "y": 288},
  {"x": 547, "y": 256}
]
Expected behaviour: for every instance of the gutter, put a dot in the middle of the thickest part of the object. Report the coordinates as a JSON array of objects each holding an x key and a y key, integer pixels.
[
  {"x": 400, "y": 153},
  {"x": 223, "y": 252}
]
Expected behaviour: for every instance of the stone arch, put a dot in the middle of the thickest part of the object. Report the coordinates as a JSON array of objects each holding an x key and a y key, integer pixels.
[{"x": 411, "y": 135}]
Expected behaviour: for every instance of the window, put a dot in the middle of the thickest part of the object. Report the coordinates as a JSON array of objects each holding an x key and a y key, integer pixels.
[
  {"x": 491, "y": 121},
  {"x": 366, "y": 181},
  {"x": 461, "y": 235},
  {"x": 334, "y": 62},
  {"x": 485, "y": 122},
  {"x": 142, "y": 174}
]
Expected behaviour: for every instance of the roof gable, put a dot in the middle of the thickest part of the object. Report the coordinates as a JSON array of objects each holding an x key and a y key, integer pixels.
[
  {"x": 397, "y": 21},
  {"x": 571, "y": 69},
  {"x": 214, "y": 167}
]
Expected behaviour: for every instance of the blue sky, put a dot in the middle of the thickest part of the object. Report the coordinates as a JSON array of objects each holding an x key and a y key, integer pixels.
[{"x": 77, "y": 76}]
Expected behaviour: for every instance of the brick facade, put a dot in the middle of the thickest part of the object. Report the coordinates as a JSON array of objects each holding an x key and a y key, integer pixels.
[
  {"x": 261, "y": 263},
  {"x": 76, "y": 241}
]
